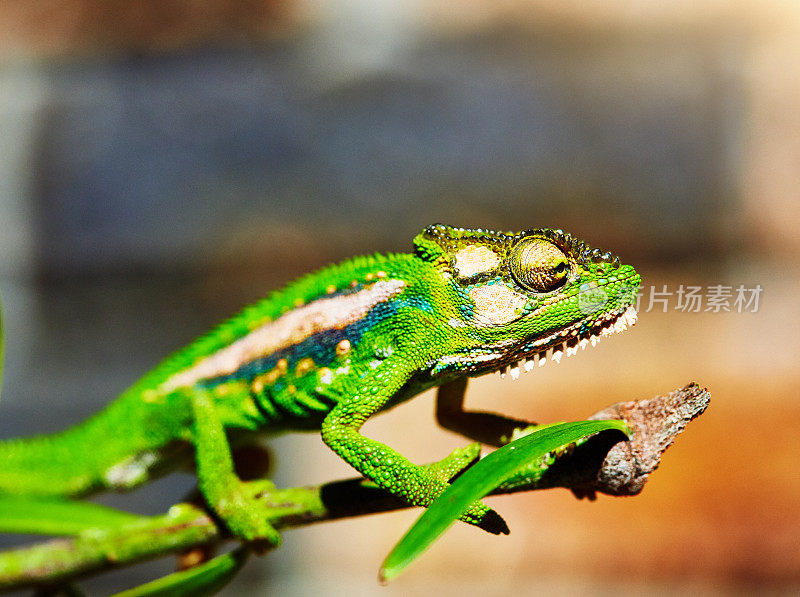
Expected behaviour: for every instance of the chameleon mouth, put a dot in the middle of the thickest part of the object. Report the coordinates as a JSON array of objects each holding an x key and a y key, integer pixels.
[{"x": 568, "y": 341}]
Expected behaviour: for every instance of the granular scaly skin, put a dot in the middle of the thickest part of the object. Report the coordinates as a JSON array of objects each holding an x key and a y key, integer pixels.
[{"x": 334, "y": 348}]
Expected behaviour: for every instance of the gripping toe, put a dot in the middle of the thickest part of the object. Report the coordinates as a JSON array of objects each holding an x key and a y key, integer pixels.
[{"x": 492, "y": 522}]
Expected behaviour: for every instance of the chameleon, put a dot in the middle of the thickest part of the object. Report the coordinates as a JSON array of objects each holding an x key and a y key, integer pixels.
[{"x": 334, "y": 348}]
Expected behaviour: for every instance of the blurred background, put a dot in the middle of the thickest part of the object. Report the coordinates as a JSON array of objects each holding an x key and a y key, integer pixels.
[{"x": 163, "y": 164}]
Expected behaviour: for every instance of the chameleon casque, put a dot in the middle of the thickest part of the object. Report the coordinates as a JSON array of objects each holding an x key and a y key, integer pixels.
[{"x": 334, "y": 348}]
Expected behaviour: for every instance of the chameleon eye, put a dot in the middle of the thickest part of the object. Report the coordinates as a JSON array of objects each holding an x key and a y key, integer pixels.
[{"x": 538, "y": 265}]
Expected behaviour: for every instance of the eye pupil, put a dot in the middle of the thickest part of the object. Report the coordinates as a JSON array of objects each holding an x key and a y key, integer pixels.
[{"x": 537, "y": 264}]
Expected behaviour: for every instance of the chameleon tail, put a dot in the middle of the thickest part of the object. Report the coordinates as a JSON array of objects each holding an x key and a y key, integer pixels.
[
  {"x": 115, "y": 449},
  {"x": 65, "y": 464}
]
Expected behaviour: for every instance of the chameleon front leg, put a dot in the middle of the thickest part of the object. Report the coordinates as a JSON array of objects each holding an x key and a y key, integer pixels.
[
  {"x": 488, "y": 428},
  {"x": 232, "y": 499},
  {"x": 387, "y": 468}
]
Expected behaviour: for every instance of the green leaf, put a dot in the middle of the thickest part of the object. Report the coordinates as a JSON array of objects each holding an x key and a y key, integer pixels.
[
  {"x": 479, "y": 480},
  {"x": 51, "y": 516},
  {"x": 205, "y": 579}
]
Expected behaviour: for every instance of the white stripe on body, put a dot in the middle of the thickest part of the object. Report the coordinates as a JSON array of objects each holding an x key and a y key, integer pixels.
[{"x": 290, "y": 328}]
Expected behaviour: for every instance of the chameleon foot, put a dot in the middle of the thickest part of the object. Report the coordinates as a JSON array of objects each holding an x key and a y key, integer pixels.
[
  {"x": 483, "y": 517},
  {"x": 452, "y": 465},
  {"x": 247, "y": 516}
]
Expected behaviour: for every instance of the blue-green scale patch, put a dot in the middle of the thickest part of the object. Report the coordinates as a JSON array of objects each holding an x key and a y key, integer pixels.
[{"x": 320, "y": 347}]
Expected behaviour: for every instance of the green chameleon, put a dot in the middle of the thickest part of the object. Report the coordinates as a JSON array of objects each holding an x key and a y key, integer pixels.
[{"x": 334, "y": 348}]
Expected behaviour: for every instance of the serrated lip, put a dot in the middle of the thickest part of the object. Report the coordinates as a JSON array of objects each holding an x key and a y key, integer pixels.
[{"x": 566, "y": 341}]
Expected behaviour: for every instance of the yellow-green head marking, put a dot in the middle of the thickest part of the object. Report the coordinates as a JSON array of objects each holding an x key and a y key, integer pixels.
[{"x": 523, "y": 297}]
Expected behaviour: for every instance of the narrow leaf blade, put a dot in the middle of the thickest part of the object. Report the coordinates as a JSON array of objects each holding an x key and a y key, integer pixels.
[
  {"x": 482, "y": 478},
  {"x": 202, "y": 580},
  {"x": 49, "y": 516}
]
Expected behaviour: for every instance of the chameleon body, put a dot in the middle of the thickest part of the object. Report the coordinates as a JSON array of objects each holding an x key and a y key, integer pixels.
[{"x": 334, "y": 348}]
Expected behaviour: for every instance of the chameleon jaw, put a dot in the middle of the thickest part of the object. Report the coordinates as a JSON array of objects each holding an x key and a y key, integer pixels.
[{"x": 568, "y": 341}]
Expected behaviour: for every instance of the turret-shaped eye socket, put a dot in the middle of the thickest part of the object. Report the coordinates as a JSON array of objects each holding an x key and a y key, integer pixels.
[{"x": 538, "y": 265}]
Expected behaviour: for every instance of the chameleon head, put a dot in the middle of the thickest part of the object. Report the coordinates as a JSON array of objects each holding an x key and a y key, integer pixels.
[{"x": 521, "y": 298}]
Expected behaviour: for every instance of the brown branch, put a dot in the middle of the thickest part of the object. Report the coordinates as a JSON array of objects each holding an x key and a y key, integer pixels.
[{"x": 603, "y": 464}]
